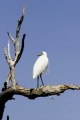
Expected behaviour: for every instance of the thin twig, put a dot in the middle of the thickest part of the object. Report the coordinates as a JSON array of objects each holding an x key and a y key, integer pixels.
[
  {"x": 9, "y": 50},
  {"x": 10, "y": 36},
  {"x": 21, "y": 51},
  {"x": 20, "y": 21},
  {"x": 7, "y": 117}
]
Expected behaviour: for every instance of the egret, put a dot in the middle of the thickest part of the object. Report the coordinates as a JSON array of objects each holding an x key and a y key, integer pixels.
[{"x": 40, "y": 67}]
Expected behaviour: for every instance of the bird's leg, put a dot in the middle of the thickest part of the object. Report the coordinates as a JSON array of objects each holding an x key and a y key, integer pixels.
[
  {"x": 41, "y": 79},
  {"x": 37, "y": 81}
]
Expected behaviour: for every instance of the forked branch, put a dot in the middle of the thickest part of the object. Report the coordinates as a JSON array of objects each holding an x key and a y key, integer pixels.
[{"x": 18, "y": 52}]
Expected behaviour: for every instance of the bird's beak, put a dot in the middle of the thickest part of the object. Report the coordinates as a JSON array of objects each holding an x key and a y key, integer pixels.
[{"x": 39, "y": 54}]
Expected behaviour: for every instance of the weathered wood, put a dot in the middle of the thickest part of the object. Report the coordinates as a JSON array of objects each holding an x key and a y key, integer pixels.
[
  {"x": 7, "y": 91},
  {"x": 42, "y": 91}
]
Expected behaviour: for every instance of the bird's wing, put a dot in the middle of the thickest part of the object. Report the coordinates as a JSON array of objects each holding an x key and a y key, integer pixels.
[{"x": 40, "y": 66}]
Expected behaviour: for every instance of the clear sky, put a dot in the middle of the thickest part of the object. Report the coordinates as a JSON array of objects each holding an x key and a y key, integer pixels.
[{"x": 53, "y": 26}]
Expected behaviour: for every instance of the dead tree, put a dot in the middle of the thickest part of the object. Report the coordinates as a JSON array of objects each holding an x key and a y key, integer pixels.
[{"x": 8, "y": 91}]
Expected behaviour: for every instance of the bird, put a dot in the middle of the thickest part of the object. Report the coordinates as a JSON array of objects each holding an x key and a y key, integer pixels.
[{"x": 40, "y": 67}]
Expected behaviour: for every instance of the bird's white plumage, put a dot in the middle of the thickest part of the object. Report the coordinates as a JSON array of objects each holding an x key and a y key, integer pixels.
[{"x": 40, "y": 65}]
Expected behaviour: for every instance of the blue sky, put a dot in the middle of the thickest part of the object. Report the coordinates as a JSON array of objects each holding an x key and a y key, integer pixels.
[{"x": 53, "y": 26}]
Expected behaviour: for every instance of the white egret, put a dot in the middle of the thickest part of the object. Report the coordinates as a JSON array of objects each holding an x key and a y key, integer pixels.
[{"x": 40, "y": 67}]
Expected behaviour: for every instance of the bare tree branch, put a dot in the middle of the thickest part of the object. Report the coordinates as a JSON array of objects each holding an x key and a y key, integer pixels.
[
  {"x": 42, "y": 91},
  {"x": 7, "y": 117},
  {"x": 21, "y": 51},
  {"x": 20, "y": 21},
  {"x": 18, "y": 53},
  {"x": 12, "y": 63},
  {"x": 8, "y": 78},
  {"x": 9, "y": 50},
  {"x": 5, "y": 53},
  {"x": 10, "y": 36}
]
